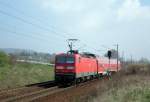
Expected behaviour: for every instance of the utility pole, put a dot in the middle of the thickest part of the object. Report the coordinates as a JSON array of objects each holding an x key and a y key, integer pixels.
[
  {"x": 123, "y": 58},
  {"x": 131, "y": 59},
  {"x": 117, "y": 55}
]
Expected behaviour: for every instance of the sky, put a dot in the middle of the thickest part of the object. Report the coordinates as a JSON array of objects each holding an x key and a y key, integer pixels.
[{"x": 45, "y": 25}]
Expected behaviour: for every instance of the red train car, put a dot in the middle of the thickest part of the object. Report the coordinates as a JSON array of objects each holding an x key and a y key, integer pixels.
[
  {"x": 71, "y": 67},
  {"x": 105, "y": 65}
]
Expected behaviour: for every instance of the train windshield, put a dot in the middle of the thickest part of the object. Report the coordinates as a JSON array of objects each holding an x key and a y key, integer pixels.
[
  {"x": 65, "y": 59},
  {"x": 69, "y": 59},
  {"x": 60, "y": 59}
]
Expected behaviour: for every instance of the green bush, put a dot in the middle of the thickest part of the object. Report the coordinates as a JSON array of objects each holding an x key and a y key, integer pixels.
[{"x": 4, "y": 59}]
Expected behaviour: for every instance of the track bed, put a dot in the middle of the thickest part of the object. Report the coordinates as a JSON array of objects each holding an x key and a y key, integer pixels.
[{"x": 48, "y": 92}]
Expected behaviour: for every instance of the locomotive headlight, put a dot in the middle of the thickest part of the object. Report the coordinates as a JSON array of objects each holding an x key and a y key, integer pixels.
[
  {"x": 59, "y": 67},
  {"x": 70, "y": 67}
]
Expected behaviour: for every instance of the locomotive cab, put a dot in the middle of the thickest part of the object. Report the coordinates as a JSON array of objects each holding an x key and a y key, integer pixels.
[{"x": 65, "y": 68}]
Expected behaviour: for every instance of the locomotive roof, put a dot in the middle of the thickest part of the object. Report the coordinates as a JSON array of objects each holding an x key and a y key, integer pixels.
[
  {"x": 89, "y": 55},
  {"x": 85, "y": 54}
]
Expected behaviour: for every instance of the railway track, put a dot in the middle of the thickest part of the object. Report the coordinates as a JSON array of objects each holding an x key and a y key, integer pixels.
[
  {"x": 69, "y": 93},
  {"x": 30, "y": 96},
  {"x": 34, "y": 92},
  {"x": 12, "y": 94}
]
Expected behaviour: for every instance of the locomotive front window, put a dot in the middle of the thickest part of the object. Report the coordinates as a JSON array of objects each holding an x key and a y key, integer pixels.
[
  {"x": 69, "y": 59},
  {"x": 65, "y": 59},
  {"x": 61, "y": 59}
]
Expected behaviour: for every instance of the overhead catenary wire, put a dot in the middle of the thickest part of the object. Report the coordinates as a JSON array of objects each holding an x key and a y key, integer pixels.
[
  {"x": 50, "y": 27},
  {"x": 40, "y": 35},
  {"x": 21, "y": 12},
  {"x": 27, "y": 36},
  {"x": 36, "y": 25},
  {"x": 18, "y": 18},
  {"x": 28, "y": 22}
]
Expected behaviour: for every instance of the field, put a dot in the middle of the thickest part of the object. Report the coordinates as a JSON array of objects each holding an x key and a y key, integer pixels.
[
  {"x": 21, "y": 74},
  {"x": 130, "y": 85}
]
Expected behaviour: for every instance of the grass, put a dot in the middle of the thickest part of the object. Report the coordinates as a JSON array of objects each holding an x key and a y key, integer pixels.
[
  {"x": 138, "y": 92},
  {"x": 21, "y": 74},
  {"x": 130, "y": 85}
]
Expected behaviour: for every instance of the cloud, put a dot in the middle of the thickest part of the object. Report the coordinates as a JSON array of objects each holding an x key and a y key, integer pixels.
[
  {"x": 82, "y": 14},
  {"x": 133, "y": 10},
  {"x": 91, "y": 21},
  {"x": 62, "y": 5},
  {"x": 75, "y": 5},
  {"x": 92, "y": 13},
  {"x": 104, "y": 21},
  {"x": 97, "y": 15}
]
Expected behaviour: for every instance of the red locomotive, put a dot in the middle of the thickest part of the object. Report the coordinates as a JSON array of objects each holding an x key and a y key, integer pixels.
[{"x": 72, "y": 66}]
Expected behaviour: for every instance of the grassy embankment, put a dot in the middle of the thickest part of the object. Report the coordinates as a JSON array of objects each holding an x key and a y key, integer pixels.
[
  {"x": 21, "y": 74},
  {"x": 130, "y": 85}
]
